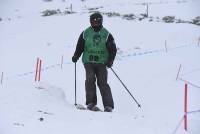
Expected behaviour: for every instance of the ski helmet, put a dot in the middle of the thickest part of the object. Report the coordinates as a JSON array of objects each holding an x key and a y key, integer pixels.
[{"x": 96, "y": 19}]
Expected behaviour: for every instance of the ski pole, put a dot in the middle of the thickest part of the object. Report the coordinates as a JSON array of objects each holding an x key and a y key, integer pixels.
[
  {"x": 75, "y": 86},
  {"x": 126, "y": 88}
]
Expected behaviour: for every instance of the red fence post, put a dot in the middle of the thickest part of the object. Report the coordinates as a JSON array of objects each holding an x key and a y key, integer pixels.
[
  {"x": 185, "y": 107},
  {"x": 40, "y": 67},
  {"x": 36, "y": 71}
]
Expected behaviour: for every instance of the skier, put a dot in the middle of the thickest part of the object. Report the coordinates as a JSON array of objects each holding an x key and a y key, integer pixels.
[{"x": 99, "y": 50}]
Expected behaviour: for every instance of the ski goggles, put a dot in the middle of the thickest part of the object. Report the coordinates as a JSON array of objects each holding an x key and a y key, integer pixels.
[{"x": 99, "y": 19}]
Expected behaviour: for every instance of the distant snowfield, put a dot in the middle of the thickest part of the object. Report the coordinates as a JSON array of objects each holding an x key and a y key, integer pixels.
[{"x": 149, "y": 56}]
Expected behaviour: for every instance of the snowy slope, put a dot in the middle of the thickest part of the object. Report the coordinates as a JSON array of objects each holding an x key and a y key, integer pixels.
[{"x": 148, "y": 59}]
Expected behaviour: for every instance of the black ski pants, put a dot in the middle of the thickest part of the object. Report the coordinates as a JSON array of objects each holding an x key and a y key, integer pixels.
[{"x": 97, "y": 72}]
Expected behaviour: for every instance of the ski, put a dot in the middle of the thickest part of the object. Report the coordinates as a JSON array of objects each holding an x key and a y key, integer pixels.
[{"x": 81, "y": 107}]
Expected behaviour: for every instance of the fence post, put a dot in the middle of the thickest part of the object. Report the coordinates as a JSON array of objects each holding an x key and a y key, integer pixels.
[
  {"x": 147, "y": 10},
  {"x": 61, "y": 64},
  {"x": 185, "y": 107},
  {"x": 198, "y": 42},
  {"x": 40, "y": 67},
  {"x": 178, "y": 72},
  {"x": 71, "y": 7},
  {"x": 2, "y": 78},
  {"x": 36, "y": 71},
  {"x": 166, "y": 46}
]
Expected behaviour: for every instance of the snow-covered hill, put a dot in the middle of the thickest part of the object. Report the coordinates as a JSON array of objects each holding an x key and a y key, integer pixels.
[{"x": 150, "y": 53}]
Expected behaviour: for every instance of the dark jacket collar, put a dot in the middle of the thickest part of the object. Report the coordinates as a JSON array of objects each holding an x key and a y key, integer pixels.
[{"x": 97, "y": 29}]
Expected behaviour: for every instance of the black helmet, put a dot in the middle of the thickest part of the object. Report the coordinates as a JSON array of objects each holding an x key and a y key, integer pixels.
[{"x": 96, "y": 19}]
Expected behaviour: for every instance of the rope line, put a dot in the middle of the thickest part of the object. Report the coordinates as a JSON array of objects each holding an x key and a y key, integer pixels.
[
  {"x": 189, "y": 83},
  {"x": 193, "y": 112},
  {"x": 182, "y": 118},
  {"x": 192, "y": 71},
  {"x": 179, "y": 124},
  {"x": 153, "y": 51},
  {"x": 117, "y": 58}
]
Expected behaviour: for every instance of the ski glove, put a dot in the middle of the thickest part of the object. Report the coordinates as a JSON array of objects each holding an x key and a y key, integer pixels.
[
  {"x": 109, "y": 64},
  {"x": 74, "y": 59}
]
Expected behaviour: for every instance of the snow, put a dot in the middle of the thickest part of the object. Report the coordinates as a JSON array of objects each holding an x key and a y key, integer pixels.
[{"x": 149, "y": 56}]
